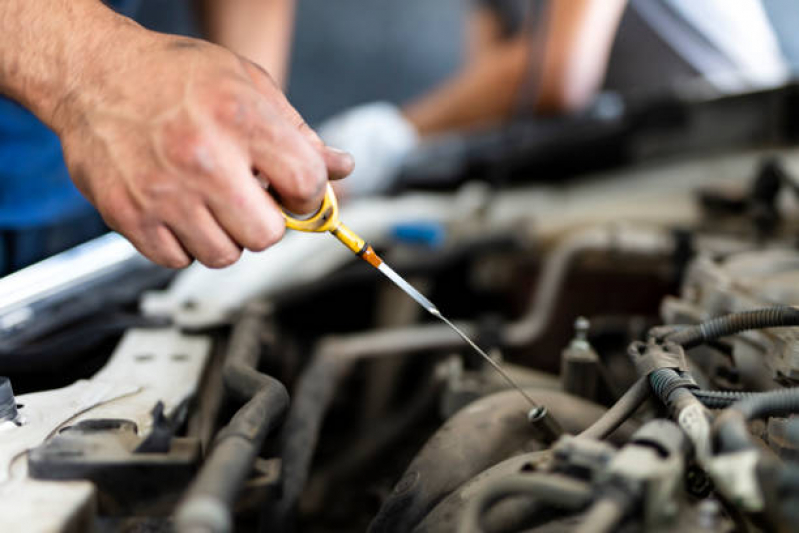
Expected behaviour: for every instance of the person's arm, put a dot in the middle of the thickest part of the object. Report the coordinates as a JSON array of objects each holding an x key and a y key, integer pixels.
[
  {"x": 162, "y": 133},
  {"x": 260, "y": 30},
  {"x": 579, "y": 36}
]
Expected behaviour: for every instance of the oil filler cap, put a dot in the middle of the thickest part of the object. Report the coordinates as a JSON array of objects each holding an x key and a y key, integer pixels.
[{"x": 8, "y": 405}]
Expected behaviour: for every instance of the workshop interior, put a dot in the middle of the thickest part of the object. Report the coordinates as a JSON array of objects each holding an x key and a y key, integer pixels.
[{"x": 608, "y": 335}]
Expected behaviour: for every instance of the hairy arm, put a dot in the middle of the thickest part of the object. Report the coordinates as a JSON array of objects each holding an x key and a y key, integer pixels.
[
  {"x": 579, "y": 35},
  {"x": 260, "y": 30},
  {"x": 163, "y": 134},
  {"x": 42, "y": 61}
]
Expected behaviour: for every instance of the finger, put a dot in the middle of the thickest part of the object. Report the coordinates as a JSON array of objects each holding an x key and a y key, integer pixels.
[
  {"x": 160, "y": 246},
  {"x": 201, "y": 235},
  {"x": 246, "y": 213},
  {"x": 339, "y": 163},
  {"x": 153, "y": 240},
  {"x": 295, "y": 170}
]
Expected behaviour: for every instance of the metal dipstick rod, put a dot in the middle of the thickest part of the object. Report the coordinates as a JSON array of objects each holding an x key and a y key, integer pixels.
[
  {"x": 326, "y": 220},
  {"x": 538, "y": 414}
]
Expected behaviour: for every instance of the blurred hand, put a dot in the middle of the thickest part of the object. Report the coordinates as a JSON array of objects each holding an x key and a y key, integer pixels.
[{"x": 166, "y": 136}]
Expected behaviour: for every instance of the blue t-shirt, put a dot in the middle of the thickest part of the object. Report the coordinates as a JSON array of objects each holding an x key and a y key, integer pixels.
[{"x": 35, "y": 189}]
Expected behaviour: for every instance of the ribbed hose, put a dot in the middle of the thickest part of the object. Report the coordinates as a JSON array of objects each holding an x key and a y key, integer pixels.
[
  {"x": 781, "y": 402},
  {"x": 770, "y": 317},
  {"x": 732, "y": 431},
  {"x": 665, "y": 380},
  {"x": 719, "y": 399}
]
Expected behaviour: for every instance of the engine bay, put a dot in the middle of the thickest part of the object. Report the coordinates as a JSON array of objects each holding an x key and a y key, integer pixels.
[{"x": 647, "y": 310}]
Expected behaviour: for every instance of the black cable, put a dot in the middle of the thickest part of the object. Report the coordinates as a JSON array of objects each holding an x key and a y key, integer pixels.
[
  {"x": 665, "y": 380},
  {"x": 770, "y": 317},
  {"x": 717, "y": 399}
]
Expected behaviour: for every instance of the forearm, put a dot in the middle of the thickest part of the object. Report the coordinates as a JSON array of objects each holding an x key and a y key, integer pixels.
[
  {"x": 573, "y": 59},
  {"x": 580, "y": 35},
  {"x": 482, "y": 94},
  {"x": 49, "y": 48},
  {"x": 260, "y": 30}
]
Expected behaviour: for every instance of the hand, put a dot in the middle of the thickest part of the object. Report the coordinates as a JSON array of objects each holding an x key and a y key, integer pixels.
[{"x": 165, "y": 137}]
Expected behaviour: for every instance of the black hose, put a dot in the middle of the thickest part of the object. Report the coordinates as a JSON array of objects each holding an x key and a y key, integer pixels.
[
  {"x": 619, "y": 412},
  {"x": 209, "y": 501},
  {"x": 665, "y": 380},
  {"x": 770, "y": 317},
  {"x": 781, "y": 402},
  {"x": 719, "y": 399},
  {"x": 731, "y": 428}
]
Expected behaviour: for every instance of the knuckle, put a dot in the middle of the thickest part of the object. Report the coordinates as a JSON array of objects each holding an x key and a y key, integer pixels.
[
  {"x": 270, "y": 234},
  {"x": 189, "y": 149},
  {"x": 232, "y": 109},
  {"x": 118, "y": 214},
  {"x": 222, "y": 258},
  {"x": 174, "y": 262}
]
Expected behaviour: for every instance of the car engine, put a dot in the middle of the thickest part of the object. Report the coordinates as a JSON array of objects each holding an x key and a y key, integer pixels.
[{"x": 645, "y": 304}]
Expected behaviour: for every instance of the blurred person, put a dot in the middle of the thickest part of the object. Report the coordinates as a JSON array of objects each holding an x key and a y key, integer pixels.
[
  {"x": 163, "y": 134},
  {"x": 546, "y": 58}
]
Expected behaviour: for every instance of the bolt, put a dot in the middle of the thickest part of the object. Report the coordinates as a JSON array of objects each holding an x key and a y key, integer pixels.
[
  {"x": 581, "y": 327},
  {"x": 8, "y": 405},
  {"x": 536, "y": 413}
]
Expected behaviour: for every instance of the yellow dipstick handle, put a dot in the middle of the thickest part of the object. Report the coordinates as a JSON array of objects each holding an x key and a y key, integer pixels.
[{"x": 326, "y": 219}]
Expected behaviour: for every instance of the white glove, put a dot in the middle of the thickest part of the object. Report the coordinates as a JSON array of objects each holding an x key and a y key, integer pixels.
[{"x": 378, "y": 137}]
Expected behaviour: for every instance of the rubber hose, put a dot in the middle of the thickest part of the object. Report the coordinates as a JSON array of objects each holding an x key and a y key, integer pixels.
[
  {"x": 720, "y": 399},
  {"x": 770, "y": 317},
  {"x": 665, "y": 380},
  {"x": 780, "y": 402},
  {"x": 732, "y": 431}
]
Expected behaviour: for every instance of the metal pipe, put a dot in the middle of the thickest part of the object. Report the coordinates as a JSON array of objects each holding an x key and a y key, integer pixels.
[
  {"x": 620, "y": 239},
  {"x": 208, "y": 504},
  {"x": 314, "y": 392},
  {"x": 620, "y": 411}
]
